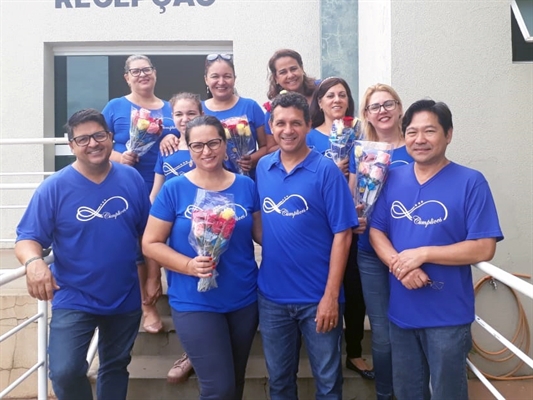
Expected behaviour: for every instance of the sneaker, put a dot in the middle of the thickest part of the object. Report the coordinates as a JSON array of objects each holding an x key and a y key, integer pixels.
[{"x": 181, "y": 370}]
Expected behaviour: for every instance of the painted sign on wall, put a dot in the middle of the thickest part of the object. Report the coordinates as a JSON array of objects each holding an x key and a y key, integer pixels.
[{"x": 162, "y": 4}]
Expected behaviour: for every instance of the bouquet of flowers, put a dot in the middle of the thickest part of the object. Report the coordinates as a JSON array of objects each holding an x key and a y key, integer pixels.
[
  {"x": 373, "y": 161},
  {"x": 145, "y": 129},
  {"x": 212, "y": 223},
  {"x": 344, "y": 133},
  {"x": 239, "y": 136}
]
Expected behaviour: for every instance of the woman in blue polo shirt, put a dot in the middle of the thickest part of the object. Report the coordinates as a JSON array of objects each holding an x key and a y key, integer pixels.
[
  {"x": 216, "y": 327},
  {"x": 223, "y": 103},
  {"x": 333, "y": 100}
]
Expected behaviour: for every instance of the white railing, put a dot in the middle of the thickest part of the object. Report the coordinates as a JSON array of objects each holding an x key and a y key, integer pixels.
[
  {"x": 514, "y": 283},
  {"x": 41, "y": 366}
]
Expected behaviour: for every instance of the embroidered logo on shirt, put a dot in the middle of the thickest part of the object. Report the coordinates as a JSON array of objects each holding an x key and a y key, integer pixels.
[
  {"x": 110, "y": 208},
  {"x": 169, "y": 169},
  {"x": 290, "y": 206},
  {"x": 240, "y": 211},
  {"x": 434, "y": 212}
]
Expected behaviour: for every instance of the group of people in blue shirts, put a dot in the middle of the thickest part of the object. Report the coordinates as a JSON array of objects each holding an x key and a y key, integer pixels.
[{"x": 321, "y": 263}]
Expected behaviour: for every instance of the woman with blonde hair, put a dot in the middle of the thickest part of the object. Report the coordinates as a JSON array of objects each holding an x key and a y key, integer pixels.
[{"x": 381, "y": 113}]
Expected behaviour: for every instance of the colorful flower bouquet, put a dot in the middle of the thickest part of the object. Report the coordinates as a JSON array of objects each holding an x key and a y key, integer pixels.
[
  {"x": 344, "y": 133},
  {"x": 373, "y": 161},
  {"x": 212, "y": 224},
  {"x": 145, "y": 129},
  {"x": 240, "y": 140}
]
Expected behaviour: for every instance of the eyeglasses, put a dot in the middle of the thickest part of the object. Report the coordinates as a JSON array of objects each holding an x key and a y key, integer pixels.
[
  {"x": 388, "y": 105},
  {"x": 84, "y": 140},
  {"x": 213, "y": 57},
  {"x": 137, "y": 71},
  {"x": 198, "y": 147}
]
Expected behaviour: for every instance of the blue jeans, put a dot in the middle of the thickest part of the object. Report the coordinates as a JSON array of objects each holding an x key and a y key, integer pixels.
[
  {"x": 218, "y": 346},
  {"x": 282, "y": 327},
  {"x": 71, "y": 332},
  {"x": 375, "y": 282},
  {"x": 439, "y": 354}
]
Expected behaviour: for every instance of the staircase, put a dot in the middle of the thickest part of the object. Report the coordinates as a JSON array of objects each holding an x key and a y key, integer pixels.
[{"x": 154, "y": 354}]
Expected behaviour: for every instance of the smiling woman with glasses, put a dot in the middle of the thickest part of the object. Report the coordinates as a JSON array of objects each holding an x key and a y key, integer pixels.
[
  {"x": 381, "y": 113},
  {"x": 227, "y": 106},
  {"x": 216, "y": 328},
  {"x": 141, "y": 77}
]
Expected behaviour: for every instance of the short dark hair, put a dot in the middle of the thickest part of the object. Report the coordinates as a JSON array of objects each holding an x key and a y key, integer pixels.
[
  {"x": 290, "y": 99},
  {"x": 317, "y": 114},
  {"x": 83, "y": 116},
  {"x": 205, "y": 120},
  {"x": 440, "y": 109}
]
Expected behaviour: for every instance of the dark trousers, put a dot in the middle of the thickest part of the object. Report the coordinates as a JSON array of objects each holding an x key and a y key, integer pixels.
[
  {"x": 354, "y": 311},
  {"x": 218, "y": 346}
]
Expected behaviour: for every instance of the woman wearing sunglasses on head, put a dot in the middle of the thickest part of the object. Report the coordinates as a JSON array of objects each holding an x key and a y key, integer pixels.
[
  {"x": 381, "y": 114},
  {"x": 141, "y": 76},
  {"x": 286, "y": 72},
  {"x": 216, "y": 327},
  {"x": 224, "y": 104}
]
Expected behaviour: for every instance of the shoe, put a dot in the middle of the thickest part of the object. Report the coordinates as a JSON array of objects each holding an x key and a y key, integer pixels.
[
  {"x": 151, "y": 314},
  {"x": 367, "y": 374},
  {"x": 181, "y": 370}
]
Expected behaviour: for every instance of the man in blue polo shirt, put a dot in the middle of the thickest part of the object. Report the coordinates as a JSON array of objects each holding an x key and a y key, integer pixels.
[
  {"x": 432, "y": 220},
  {"x": 308, "y": 215},
  {"x": 93, "y": 213}
]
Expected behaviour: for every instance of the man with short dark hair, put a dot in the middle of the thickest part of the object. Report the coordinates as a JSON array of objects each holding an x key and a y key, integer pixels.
[
  {"x": 307, "y": 214},
  {"x": 92, "y": 213},
  {"x": 433, "y": 219}
]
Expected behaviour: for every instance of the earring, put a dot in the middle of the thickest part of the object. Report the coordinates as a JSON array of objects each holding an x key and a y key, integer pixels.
[
  {"x": 226, "y": 158},
  {"x": 208, "y": 90}
]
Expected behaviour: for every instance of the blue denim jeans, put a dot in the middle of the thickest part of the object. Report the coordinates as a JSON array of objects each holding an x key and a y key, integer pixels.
[
  {"x": 375, "y": 282},
  {"x": 282, "y": 327},
  {"x": 71, "y": 332},
  {"x": 436, "y": 354},
  {"x": 218, "y": 345}
]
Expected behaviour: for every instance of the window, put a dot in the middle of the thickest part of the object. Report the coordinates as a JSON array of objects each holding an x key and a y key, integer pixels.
[{"x": 522, "y": 30}]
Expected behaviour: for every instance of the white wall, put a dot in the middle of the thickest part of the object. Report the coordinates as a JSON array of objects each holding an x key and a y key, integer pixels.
[
  {"x": 460, "y": 53},
  {"x": 30, "y": 30}
]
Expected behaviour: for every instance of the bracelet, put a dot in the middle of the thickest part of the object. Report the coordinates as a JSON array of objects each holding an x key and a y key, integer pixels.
[{"x": 32, "y": 260}]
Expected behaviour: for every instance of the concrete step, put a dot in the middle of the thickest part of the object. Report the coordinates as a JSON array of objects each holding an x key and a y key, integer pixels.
[
  {"x": 148, "y": 381},
  {"x": 167, "y": 343}
]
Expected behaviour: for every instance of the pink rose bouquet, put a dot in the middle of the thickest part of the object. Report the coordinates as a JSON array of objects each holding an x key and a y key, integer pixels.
[
  {"x": 372, "y": 160},
  {"x": 344, "y": 133},
  {"x": 212, "y": 223},
  {"x": 240, "y": 140},
  {"x": 145, "y": 129}
]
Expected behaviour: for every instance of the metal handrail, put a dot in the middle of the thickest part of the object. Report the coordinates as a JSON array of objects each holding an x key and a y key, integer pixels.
[
  {"x": 41, "y": 366},
  {"x": 514, "y": 283}
]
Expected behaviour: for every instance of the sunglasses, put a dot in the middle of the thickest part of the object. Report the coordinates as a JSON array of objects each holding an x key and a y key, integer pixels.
[{"x": 213, "y": 57}]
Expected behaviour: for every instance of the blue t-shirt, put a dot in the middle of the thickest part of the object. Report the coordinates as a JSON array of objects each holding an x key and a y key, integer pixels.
[
  {"x": 453, "y": 206},
  {"x": 254, "y": 114},
  {"x": 94, "y": 230},
  {"x": 301, "y": 213},
  {"x": 319, "y": 142},
  {"x": 174, "y": 164},
  {"x": 117, "y": 114},
  {"x": 399, "y": 157},
  {"x": 237, "y": 279}
]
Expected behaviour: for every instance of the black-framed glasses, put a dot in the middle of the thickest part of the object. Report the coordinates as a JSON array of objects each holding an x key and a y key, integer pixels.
[
  {"x": 213, "y": 57},
  {"x": 198, "y": 147},
  {"x": 84, "y": 140},
  {"x": 388, "y": 105},
  {"x": 137, "y": 71}
]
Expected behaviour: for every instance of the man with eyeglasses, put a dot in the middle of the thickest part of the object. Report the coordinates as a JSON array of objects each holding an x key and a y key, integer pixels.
[
  {"x": 93, "y": 213},
  {"x": 432, "y": 220}
]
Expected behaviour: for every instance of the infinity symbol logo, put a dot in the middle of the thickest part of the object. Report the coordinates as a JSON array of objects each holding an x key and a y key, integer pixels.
[
  {"x": 85, "y": 214},
  {"x": 399, "y": 211},
  {"x": 169, "y": 169},
  {"x": 270, "y": 206}
]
